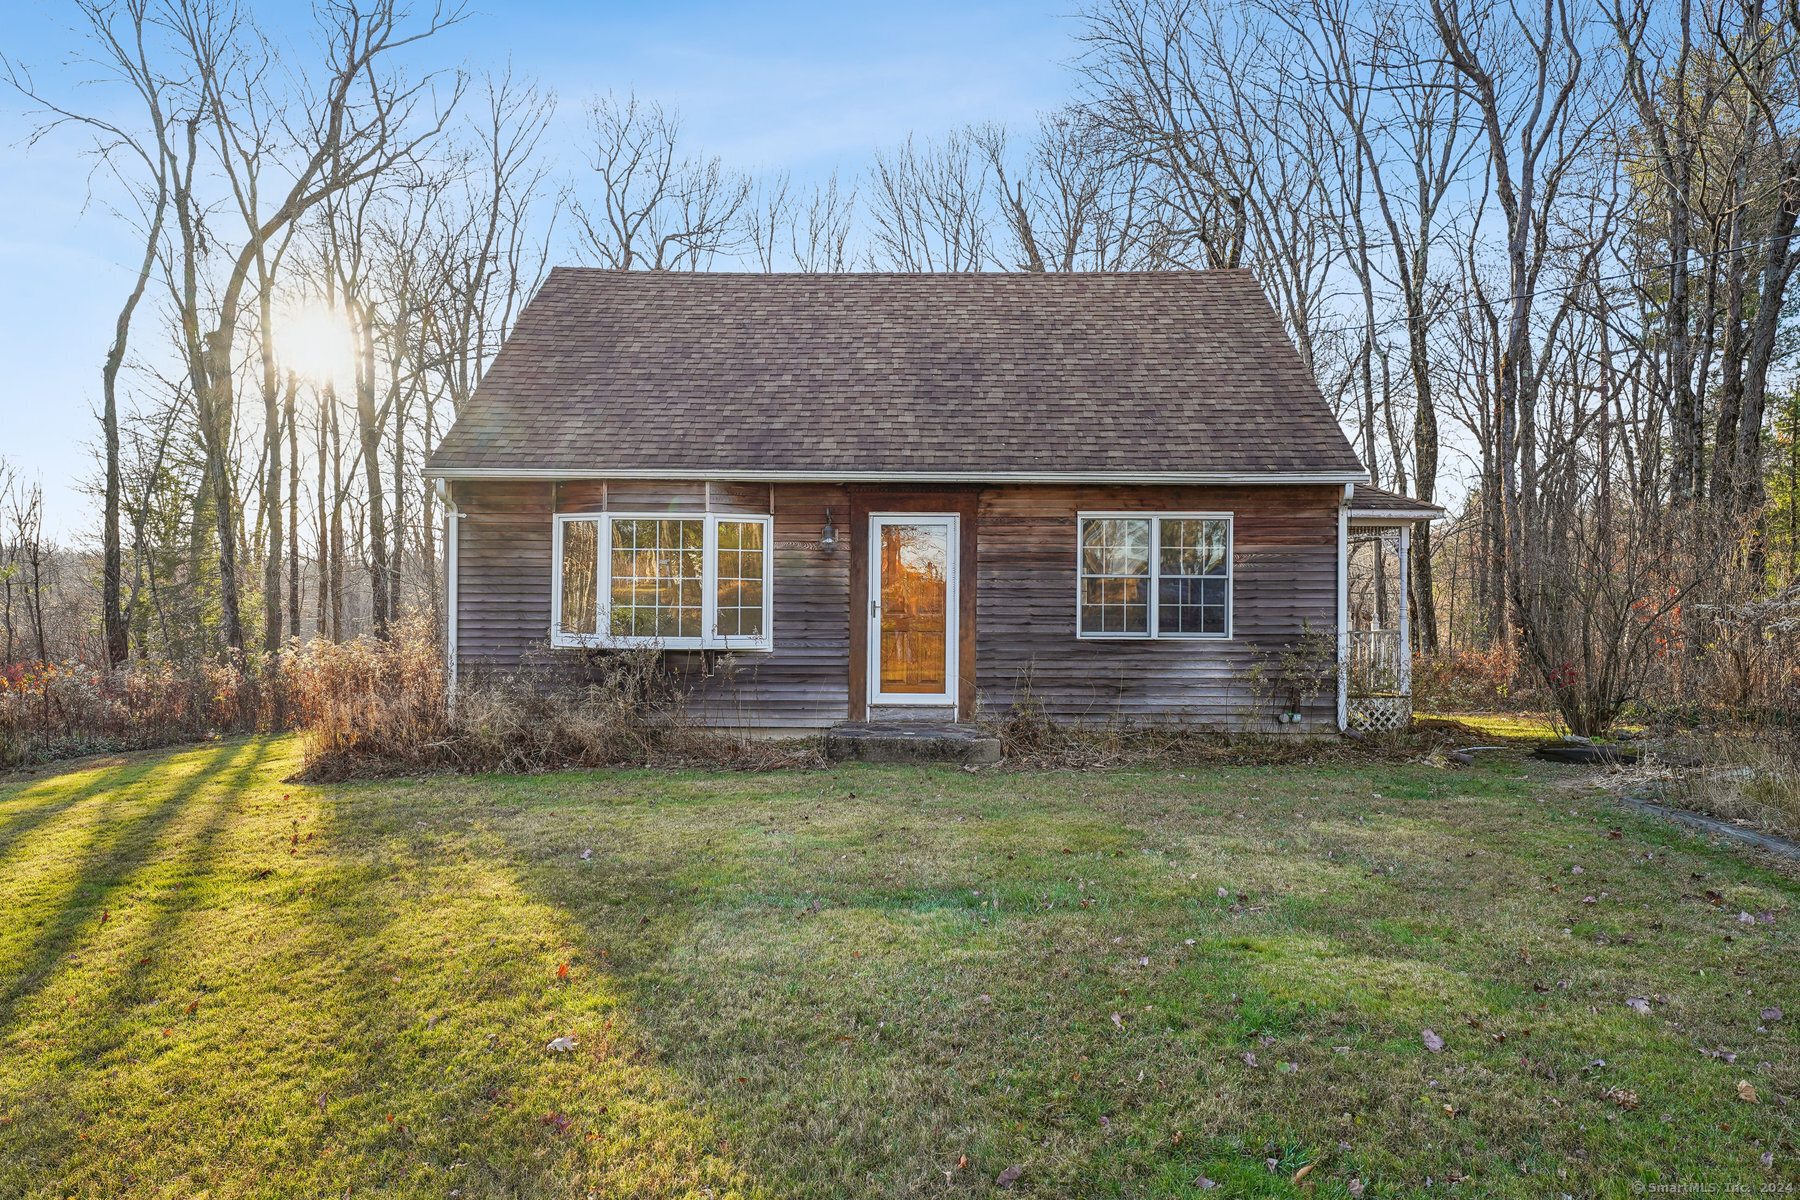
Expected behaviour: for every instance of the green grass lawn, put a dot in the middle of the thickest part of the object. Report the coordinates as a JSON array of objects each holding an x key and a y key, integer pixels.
[{"x": 878, "y": 982}]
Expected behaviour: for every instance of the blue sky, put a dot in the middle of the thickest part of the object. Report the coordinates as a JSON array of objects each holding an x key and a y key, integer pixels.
[{"x": 803, "y": 86}]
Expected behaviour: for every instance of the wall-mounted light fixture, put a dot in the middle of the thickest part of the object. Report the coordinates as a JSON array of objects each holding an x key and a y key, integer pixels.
[{"x": 828, "y": 535}]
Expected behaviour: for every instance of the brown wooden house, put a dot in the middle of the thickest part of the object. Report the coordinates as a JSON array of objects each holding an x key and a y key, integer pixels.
[{"x": 857, "y": 497}]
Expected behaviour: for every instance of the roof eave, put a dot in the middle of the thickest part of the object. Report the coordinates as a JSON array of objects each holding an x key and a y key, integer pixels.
[{"x": 811, "y": 476}]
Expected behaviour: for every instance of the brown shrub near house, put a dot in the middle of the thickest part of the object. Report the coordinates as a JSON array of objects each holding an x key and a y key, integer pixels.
[{"x": 369, "y": 708}]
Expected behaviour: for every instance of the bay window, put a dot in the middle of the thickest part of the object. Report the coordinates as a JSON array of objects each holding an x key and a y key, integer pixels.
[
  {"x": 679, "y": 582},
  {"x": 1154, "y": 575}
]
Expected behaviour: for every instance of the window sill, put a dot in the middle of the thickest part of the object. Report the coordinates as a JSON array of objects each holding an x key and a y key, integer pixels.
[
  {"x": 673, "y": 645},
  {"x": 1154, "y": 637}
]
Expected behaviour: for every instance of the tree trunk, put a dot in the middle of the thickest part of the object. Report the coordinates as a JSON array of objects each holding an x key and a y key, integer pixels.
[
  {"x": 369, "y": 429},
  {"x": 272, "y": 509},
  {"x": 293, "y": 436},
  {"x": 112, "y": 613}
]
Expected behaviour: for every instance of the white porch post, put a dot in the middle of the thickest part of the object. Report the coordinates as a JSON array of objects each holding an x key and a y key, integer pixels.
[
  {"x": 452, "y": 538},
  {"x": 1405, "y": 663},
  {"x": 1343, "y": 609}
]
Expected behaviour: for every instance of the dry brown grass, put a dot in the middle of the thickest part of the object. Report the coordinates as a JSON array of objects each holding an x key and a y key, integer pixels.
[{"x": 1750, "y": 776}]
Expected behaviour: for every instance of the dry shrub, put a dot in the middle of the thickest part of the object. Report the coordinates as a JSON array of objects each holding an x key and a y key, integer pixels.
[
  {"x": 1751, "y": 777},
  {"x": 1031, "y": 740},
  {"x": 379, "y": 708},
  {"x": 52, "y": 711},
  {"x": 1472, "y": 681}
]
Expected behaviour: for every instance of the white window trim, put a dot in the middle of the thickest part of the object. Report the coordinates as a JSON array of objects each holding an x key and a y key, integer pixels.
[
  {"x": 1156, "y": 518},
  {"x": 711, "y": 639}
]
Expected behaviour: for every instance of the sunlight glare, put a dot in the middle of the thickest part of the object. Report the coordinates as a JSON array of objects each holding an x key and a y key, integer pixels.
[{"x": 317, "y": 344}]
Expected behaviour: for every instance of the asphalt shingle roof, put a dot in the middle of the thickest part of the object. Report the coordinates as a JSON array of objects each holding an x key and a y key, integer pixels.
[
  {"x": 1178, "y": 373},
  {"x": 1371, "y": 499}
]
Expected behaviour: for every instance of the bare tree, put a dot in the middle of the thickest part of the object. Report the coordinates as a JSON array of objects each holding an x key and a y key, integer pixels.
[
  {"x": 1526, "y": 74},
  {"x": 929, "y": 206},
  {"x": 1072, "y": 201},
  {"x": 655, "y": 207},
  {"x": 1411, "y": 136},
  {"x": 354, "y": 125},
  {"x": 116, "y": 37},
  {"x": 819, "y": 237}
]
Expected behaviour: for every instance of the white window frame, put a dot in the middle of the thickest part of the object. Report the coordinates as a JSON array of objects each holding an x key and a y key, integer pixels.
[
  {"x": 710, "y": 638},
  {"x": 1156, "y": 518}
]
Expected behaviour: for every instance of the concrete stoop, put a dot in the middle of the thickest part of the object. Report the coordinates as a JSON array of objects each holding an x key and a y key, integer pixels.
[{"x": 910, "y": 742}]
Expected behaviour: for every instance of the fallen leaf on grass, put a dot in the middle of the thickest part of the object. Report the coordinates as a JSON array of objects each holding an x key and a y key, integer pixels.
[
  {"x": 562, "y": 1044},
  {"x": 962, "y": 1160},
  {"x": 1355, "y": 1187},
  {"x": 1637, "y": 1004},
  {"x": 1118, "y": 1020},
  {"x": 587, "y": 854},
  {"x": 1622, "y": 1097},
  {"x": 1432, "y": 1041},
  {"x": 562, "y": 970},
  {"x": 1747, "y": 1092},
  {"x": 1009, "y": 1176},
  {"x": 1250, "y": 1058},
  {"x": 1205, "y": 1184},
  {"x": 190, "y": 1009},
  {"x": 1303, "y": 1172},
  {"x": 557, "y": 1121},
  {"x": 1770, "y": 1014}
]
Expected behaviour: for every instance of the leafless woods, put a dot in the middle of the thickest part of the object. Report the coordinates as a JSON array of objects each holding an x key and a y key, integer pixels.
[{"x": 1538, "y": 254}]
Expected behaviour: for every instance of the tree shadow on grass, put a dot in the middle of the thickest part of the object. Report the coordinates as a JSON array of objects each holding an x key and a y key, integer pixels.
[
  {"x": 341, "y": 1038},
  {"x": 117, "y": 852},
  {"x": 35, "y": 804}
]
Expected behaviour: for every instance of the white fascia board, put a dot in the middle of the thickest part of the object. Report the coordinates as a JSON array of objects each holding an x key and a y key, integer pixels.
[{"x": 728, "y": 474}]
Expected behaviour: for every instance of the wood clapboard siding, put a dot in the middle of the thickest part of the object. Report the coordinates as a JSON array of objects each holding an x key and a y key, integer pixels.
[
  {"x": 804, "y": 682},
  {"x": 505, "y": 577},
  {"x": 503, "y": 573},
  {"x": 1285, "y": 574},
  {"x": 1023, "y": 552}
]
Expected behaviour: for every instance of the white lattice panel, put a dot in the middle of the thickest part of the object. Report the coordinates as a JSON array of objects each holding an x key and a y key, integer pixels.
[{"x": 1380, "y": 714}]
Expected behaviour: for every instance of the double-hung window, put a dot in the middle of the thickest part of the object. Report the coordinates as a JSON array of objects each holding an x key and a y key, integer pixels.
[
  {"x": 1154, "y": 575},
  {"x": 681, "y": 582}
]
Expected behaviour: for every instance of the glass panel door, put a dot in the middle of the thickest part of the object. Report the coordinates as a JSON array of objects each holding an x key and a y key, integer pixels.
[{"x": 914, "y": 611}]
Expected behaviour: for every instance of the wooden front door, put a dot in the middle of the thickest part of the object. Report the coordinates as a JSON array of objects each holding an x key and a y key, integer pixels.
[{"x": 913, "y": 608}]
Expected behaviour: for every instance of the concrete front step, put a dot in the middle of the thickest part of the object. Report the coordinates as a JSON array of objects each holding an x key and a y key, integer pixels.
[{"x": 910, "y": 742}]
